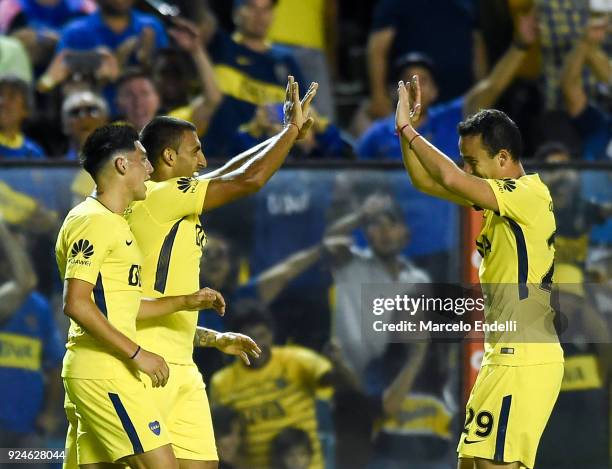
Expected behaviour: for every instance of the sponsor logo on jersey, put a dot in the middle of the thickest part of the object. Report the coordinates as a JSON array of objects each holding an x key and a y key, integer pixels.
[
  {"x": 81, "y": 251},
  {"x": 187, "y": 184}
]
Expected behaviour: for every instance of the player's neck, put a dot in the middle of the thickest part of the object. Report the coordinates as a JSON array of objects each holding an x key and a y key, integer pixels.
[
  {"x": 114, "y": 199},
  {"x": 516, "y": 171}
]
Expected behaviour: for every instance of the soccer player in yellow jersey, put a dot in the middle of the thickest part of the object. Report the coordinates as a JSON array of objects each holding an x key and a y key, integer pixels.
[
  {"x": 167, "y": 227},
  {"x": 100, "y": 262},
  {"x": 521, "y": 375}
]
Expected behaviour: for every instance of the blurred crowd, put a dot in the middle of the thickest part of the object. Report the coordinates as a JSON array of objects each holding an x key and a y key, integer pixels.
[
  {"x": 291, "y": 261},
  {"x": 66, "y": 66}
]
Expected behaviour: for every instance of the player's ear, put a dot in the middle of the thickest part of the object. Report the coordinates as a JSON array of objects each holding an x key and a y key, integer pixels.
[
  {"x": 504, "y": 158},
  {"x": 169, "y": 156},
  {"x": 121, "y": 165}
]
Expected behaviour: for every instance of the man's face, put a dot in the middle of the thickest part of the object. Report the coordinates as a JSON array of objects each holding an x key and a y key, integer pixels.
[
  {"x": 189, "y": 156},
  {"x": 477, "y": 160},
  {"x": 138, "y": 171},
  {"x": 115, "y": 7},
  {"x": 138, "y": 101},
  {"x": 253, "y": 19},
  {"x": 13, "y": 109},
  {"x": 387, "y": 237},
  {"x": 82, "y": 119},
  {"x": 429, "y": 90}
]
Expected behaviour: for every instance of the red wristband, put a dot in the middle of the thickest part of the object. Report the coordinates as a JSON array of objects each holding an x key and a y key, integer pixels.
[{"x": 412, "y": 140}]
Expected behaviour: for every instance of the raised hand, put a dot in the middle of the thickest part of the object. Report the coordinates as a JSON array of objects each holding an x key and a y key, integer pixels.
[
  {"x": 240, "y": 345},
  {"x": 153, "y": 366},
  {"x": 408, "y": 109},
  {"x": 596, "y": 30},
  {"x": 297, "y": 112},
  {"x": 206, "y": 298},
  {"x": 527, "y": 28}
]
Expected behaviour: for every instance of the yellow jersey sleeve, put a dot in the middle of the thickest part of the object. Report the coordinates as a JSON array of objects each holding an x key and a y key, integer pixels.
[
  {"x": 87, "y": 245},
  {"x": 176, "y": 198},
  {"x": 514, "y": 198}
]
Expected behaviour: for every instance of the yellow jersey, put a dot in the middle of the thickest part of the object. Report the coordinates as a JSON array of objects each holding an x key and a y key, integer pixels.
[
  {"x": 281, "y": 394},
  {"x": 95, "y": 245},
  {"x": 167, "y": 227},
  {"x": 517, "y": 245}
]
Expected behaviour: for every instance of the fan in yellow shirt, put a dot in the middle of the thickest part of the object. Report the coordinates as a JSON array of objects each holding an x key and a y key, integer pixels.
[
  {"x": 167, "y": 227},
  {"x": 111, "y": 413},
  {"x": 521, "y": 374}
]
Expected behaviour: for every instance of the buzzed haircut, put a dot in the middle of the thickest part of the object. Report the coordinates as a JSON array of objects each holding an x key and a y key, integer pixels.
[
  {"x": 497, "y": 130},
  {"x": 104, "y": 143},
  {"x": 161, "y": 133}
]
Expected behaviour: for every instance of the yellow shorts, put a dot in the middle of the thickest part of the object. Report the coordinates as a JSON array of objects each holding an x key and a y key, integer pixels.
[
  {"x": 184, "y": 407},
  {"x": 507, "y": 412},
  {"x": 110, "y": 419}
]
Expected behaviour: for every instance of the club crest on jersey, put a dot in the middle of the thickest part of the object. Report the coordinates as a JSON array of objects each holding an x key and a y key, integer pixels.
[
  {"x": 155, "y": 427},
  {"x": 506, "y": 184},
  {"x": 81, "y": 251},
  {"x": 187, "y": 184}
]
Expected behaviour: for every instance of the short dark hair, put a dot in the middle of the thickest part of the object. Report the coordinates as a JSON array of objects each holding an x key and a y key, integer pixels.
[
  {"x": 284, "y": 441},
  {"x": 133, "y": 73},
  {"x": 550, "y": 148},
  {"x": 103, "y": 143},
  {"x": 20, "y": 85},
  {"x": 161, "y": 133},
  {"x": 497, "y": 130}
]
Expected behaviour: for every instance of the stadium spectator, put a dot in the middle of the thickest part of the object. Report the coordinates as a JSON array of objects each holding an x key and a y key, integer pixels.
[
  {"x": 138, "y": 99},
  {"x": 561, "y": 23},
  {"x": 277, "y": 391},
  {"x": 439, "y": 121},
  {"x": 381, "y": 262},
  {"x": 428, "y": 26},
  {"x": 14, "y": 59},
  {"x": 409, "y": 383},
  {"x": 82, "y": 113},
  {"x": 100, "y": 45},
  {"x": 32, "y": 351},
  {"x": 593, "y": 122},
  {"x": 309, "y": 30},
  {"x": 229, "y": 435},
  {"x": 250, "y": 71},
  {"x": 326, "y": 140},
  {"x": 38, "y": 23},
  {"x": 15, "y": 107},
  {"x": 291, "y": 449}
]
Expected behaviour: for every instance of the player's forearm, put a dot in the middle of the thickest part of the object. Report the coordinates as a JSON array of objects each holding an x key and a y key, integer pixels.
[
  {"x": 272, "y": 281},
  {"x": 261, "y": 167},
  {"x": 439, "y": 166},
  {"x": 487, "y": 91},
  {"x": 158, "y": 307},
  {"x": 205, "y": 337},
  {"x": 237, "y": 161},
  {"x": 419, "y": 176},
  {"x": 89, "y": 317}
]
